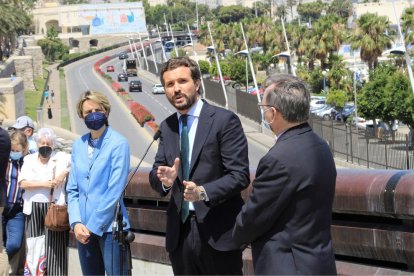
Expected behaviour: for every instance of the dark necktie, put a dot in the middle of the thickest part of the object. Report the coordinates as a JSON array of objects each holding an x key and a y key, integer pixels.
[{"x": 185, "y": 164}]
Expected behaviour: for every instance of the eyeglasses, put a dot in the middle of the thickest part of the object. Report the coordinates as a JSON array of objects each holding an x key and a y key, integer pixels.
[{"x": 263, "y": 105}]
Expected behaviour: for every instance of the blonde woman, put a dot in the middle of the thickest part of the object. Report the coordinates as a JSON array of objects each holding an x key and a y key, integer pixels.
[
  {"x": 100, "y": 164},
  {"x": 42, "y": 172},
  {"x": 13, "y": 217}
]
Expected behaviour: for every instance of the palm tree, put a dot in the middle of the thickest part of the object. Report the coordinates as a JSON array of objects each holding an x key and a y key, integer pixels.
[
  {"x": 370, "y": 37},
  {"x": 290, "y": 4},
  {"x": 13, "y": 19},
  {"x": 328, "y": 34},
  {"x": 408, "y": 25}
]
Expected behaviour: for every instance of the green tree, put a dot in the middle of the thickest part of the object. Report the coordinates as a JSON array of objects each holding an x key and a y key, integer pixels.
[
  {"x": 370, "y": 37},
  {"x": 233, "y": 13},
  {"x": 372, "y": 100},
  {"x": 342, "y": 8},
  {"x": 328, "y": 34},
  {"x": 399, "y": 100},
  {"x": 204, "y": 66},
  {"x": 14, "y": 20},
  {"x": 52, "y": 47},
  {"x": 291, "y": 4},
  {"x": 407, "y": 25},
  {"x": 310, "y": 11},
  {"x": 337, "y": 98}
]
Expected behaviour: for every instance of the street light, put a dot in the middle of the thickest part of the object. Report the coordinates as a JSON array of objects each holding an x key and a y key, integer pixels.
[{"x": 324, "y": 81}]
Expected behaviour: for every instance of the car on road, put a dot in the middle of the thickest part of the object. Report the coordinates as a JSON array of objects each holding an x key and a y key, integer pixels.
[
  {"x": 122, "y": 77},
  {"x": 135, "y": 85},
  {"x": 158, "y": 89},
  {"x": 123, "y": 55},
  {"x": 110, "y": 68}
]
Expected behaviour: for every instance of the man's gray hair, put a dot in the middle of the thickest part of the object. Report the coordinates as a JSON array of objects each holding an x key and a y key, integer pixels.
[{"x": 290, "y": 96}]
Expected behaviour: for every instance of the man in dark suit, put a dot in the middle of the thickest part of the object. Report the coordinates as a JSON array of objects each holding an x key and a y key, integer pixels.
[
  {"x": 287, "y": 216},
  {"x": 205, "y": 183},
  {"x": 5, "y": 147}
]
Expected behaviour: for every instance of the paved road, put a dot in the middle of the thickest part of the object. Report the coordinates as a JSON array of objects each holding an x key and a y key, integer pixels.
[{"x": 80, "y": 77}]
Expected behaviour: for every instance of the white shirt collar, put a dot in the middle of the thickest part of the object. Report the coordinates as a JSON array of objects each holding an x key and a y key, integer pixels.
[{"x": 195, "y": 110}]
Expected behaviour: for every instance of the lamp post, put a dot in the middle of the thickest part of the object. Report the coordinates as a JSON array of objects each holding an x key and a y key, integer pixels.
[{"x": 324, "y": 81}]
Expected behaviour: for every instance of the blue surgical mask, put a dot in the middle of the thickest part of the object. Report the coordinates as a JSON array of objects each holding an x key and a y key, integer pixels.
[
  {"x": 16, "y": 155},
  {"x": 95, "y": 120}
]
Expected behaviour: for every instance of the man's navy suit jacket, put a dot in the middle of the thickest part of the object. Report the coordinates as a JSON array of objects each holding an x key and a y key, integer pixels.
[
  {"x": 287, "y": 217},
  {"x": 219, "y": 163}
]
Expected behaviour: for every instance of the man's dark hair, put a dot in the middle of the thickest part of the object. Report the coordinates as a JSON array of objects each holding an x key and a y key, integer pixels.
[{"x": 177, "y": 62}]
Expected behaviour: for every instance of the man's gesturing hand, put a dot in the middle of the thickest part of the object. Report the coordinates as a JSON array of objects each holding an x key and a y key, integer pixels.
[{"x": 167, "y": 175}]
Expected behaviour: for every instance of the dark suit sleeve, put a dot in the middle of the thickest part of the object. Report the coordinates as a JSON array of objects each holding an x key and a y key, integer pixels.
[
  {"x": 160, "y": 160},
  {"x": 233, "y": 149},
  {"x": 272, "y": 191},
  {"x": 5, "y": 147}
]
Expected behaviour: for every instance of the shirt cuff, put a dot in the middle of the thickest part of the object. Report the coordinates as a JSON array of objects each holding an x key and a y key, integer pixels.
[{"x": 165, "y": 188}]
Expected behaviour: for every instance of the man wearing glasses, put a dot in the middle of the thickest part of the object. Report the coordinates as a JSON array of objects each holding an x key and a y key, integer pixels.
[{"x": 287, "y": 216}]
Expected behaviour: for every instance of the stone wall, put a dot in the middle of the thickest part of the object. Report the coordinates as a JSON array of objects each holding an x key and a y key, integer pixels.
[
  {"x": 12, "y": 103},
  {"x": 7, "y": 68},
  {"x": 24, "y": 69},
  {"x": 37, "y": 56}
]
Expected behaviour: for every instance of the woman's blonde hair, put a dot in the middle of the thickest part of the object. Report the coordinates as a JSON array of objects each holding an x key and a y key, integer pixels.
[
  {"x": 95, "y": 96},
  {"x": 19, "y": 138}
]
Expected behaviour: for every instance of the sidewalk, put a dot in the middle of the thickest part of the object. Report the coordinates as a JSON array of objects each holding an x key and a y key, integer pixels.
[{"x": 55, "y": 105}]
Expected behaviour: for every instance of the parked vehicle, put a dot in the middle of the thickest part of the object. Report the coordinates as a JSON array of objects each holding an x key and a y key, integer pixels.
[
  {"x": 317, "y": 103},
  {"x": 122, "y": 77},
  {"x": 135, "y": 85},
  {"x": 110, "y": 68},
  {"x": 345, "y": 113},
  {"x": 158, "y": 89},
  {"x": 326, "y": 112},
  {"x": 131, "y": 67}
]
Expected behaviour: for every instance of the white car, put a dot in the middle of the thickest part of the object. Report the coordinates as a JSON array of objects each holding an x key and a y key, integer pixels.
[
  {"x": 325, "y": 113},
  {"x": 158, "y": 89}
]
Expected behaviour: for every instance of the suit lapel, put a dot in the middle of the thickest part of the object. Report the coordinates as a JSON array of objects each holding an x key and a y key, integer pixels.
[
  {"x": 102, "y": 141},
  {"x": 204, "y": 125}
]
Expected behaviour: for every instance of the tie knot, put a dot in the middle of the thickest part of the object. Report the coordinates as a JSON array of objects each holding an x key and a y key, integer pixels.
[{"x": 183, "y": 119}]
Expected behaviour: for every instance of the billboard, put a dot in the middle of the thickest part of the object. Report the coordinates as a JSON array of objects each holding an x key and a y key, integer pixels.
[{"x": 106, "y": 18}]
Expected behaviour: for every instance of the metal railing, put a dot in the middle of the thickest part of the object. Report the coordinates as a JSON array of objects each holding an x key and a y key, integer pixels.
[{"x": 377, "y": 150}]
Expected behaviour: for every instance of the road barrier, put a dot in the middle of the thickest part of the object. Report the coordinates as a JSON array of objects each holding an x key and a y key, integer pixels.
[{"x": 372, "y": 230}]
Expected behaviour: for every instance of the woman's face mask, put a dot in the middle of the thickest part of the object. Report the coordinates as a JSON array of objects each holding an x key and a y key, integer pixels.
[
  {"x": 45, "y": 151},
  {"x": 95, "y": 120},
  {"x": 16, "y": 155}
]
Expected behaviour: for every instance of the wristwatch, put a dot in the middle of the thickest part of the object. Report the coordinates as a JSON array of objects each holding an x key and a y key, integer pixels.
[{"x": 202, "y": 193}]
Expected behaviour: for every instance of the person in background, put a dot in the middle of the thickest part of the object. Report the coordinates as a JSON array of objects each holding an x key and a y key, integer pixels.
[
  {"x": 288, "y": 214},
  {"x": 5, "y": 148},
  {"x": 202, "y": 162},
  {"x": 46, "y": 95},
  {"x": 26, "y": 125},
  {"x": 13, "y": 217},
  {"x": 42, "y": 173},
  {"x": 100, "y": 165}
]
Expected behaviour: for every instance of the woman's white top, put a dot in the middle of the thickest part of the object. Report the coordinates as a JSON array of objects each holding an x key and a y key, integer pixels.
[{"x": 34, "y": 170}]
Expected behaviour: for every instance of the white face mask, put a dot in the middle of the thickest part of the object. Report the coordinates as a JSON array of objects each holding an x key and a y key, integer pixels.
[{"x": 264, "y": 122}]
